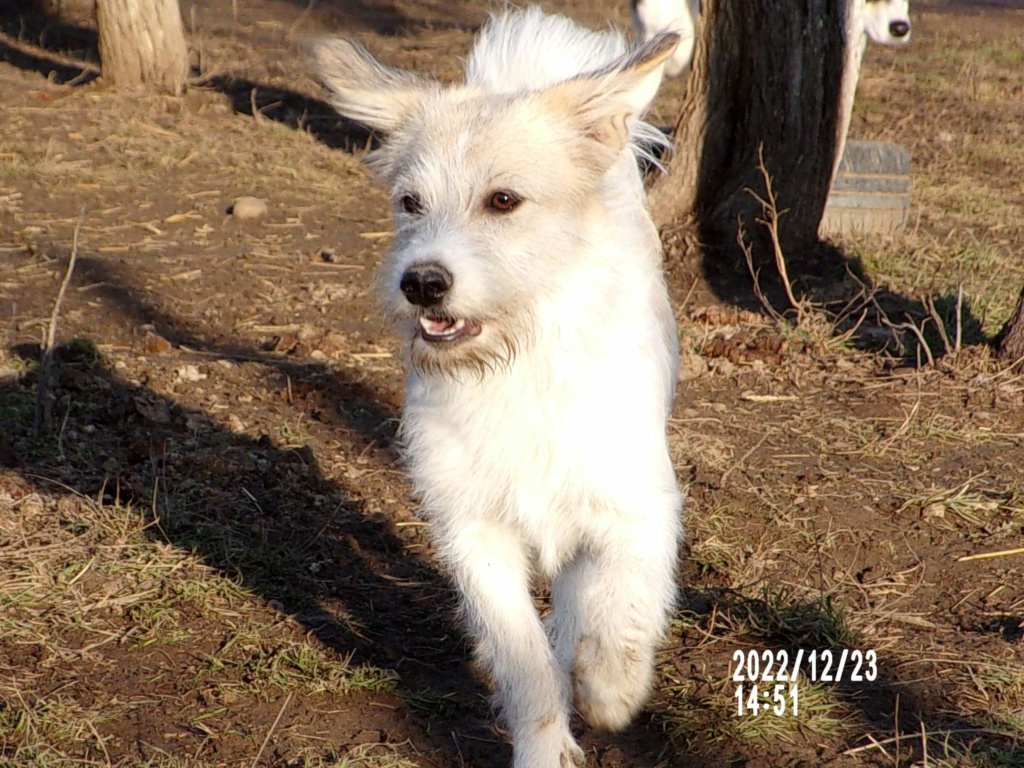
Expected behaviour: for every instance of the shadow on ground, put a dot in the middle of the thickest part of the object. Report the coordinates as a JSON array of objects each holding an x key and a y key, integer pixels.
[
  {"x": 835, "y": 285},
  {"x": 265, "y": 514}
]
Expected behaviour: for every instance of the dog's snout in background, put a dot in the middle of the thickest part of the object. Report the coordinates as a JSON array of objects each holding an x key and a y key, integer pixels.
[
  {"x": 886, "y": 22},
  {"x": 899, "y": 28}
]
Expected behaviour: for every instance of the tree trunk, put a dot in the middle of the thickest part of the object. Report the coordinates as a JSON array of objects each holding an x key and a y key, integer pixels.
[
  {"x": 1010, "y": 340},
  {"x": 142, "y": 44},
  {"x": 767, "y": 78}
]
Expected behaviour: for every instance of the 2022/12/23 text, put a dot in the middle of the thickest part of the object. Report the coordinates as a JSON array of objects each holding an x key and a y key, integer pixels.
[{"x": 768, "y": 680}]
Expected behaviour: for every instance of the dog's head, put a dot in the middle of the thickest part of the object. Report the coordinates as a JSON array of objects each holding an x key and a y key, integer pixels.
[
  {"x": 494, "y": 193},
  {"x": 887, "y": 21}
]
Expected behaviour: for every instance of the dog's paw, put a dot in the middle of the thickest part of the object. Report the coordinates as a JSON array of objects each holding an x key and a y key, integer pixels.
[
  {"x": 610, "y": 689},
  {"x": 547, "y": 747}
]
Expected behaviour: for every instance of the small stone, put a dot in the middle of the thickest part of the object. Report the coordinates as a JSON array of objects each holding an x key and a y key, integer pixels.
[
  {"x": 248, "y": 207},
  {"x": 189, "y": 373},
  {"x": 156, "y": 345},
  {"x": 724, "y": 367},
  {"x": 691, "y": 366}
]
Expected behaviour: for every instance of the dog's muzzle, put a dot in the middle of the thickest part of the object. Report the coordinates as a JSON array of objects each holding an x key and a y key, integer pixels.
[
  {"x": 899, "y": 28},
  {"x": 425, "y": 285}
]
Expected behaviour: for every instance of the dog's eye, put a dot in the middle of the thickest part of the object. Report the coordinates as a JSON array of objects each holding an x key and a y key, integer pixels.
[
  {"x": 503, "y": 201},
  {"x": 411, "y": 204}
]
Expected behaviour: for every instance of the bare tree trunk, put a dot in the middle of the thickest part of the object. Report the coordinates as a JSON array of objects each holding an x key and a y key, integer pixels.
[
  {"x": 142, "y": 44},
  {"x": 766, "y": 73},
  {"x": 1010, "y": 340}
]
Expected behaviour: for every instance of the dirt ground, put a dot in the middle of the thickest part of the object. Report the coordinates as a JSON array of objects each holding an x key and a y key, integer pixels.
[{"x": 208, "y": 552}]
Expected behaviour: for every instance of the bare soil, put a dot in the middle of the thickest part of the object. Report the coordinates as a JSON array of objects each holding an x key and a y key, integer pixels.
[{"x": 209, "y": 554}]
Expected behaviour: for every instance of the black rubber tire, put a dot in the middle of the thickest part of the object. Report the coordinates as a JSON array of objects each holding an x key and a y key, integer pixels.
[{"x": 871, "y": 192}]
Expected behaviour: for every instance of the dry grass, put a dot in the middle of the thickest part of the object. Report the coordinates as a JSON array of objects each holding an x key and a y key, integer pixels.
[{"x": 100, "y": 586}]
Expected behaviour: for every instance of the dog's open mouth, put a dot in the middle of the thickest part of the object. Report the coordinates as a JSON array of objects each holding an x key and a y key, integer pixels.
[{"x": 446, "y": 329}]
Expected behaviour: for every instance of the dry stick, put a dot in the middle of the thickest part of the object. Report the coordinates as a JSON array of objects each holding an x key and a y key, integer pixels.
[
  {"x": 920, "y": 338},
  {"x": 771, "y": 210},
  {"x": 959, "y": 316},
  {"x": 876, "y": 744},
  {"x": 896, "y": 718},
  {"x": 256, "y": 760},
  {"x": 743, "y": 458},
  {"x": 987, "y": 555},
  {"x": 929, "y": 303},
  {"x": 755, "y": 274},
  {"x": 46, "y": 353}
]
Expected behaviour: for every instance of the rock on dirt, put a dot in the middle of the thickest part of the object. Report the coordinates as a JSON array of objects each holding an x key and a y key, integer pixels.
[
  {"x": 691, "y": 366},
  {"x": 248, "y": 207}
]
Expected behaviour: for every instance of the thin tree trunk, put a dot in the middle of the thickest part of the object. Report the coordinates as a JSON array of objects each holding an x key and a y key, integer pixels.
[
  {"x": 1010, "y": 340},
  {"x": 142, "y": 44},
  {"x": 766, "y": 73}
]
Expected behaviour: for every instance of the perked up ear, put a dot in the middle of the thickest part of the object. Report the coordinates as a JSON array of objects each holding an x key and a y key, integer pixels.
[
  {"x": 604, "y": 100},
  {"x": 364, "y": 90}
]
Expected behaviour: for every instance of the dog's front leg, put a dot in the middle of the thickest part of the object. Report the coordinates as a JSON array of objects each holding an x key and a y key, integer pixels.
[
  {"x": 611, "y": 607},
  {"x": 493, "y": 575}
]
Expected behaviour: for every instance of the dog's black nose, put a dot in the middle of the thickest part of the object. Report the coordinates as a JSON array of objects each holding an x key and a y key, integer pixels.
[
  {"x": 899, "y": 28},
  {"x": 425, "y": 284}
]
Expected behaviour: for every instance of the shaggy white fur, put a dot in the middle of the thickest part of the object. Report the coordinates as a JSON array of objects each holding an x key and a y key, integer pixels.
[
  {"x": 651, "y": 17},
  {"x": 525, "y": 283}
]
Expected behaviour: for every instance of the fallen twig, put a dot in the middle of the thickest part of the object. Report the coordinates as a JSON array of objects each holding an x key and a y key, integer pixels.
[
  {"x": 987, "y": 555},
  {"x": 43, "y": 396},
  {"x": 273, "y": 727}
]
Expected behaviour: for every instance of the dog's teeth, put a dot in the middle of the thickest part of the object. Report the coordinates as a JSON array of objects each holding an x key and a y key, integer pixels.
[{"x": 442, "y": 327}]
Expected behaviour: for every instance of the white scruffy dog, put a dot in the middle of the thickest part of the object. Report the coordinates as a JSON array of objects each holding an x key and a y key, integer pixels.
[
  {"x": 886, "y": 22},
  {"x": 651, "y": 17},
  {"x": 525, "y": 279}
]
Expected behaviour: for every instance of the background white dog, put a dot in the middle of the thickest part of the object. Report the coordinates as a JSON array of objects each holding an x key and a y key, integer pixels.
[
  {"x": 525, "y": 280},
  {"x": 680, "y": 16},
  {"x": 883, "y": 21}
]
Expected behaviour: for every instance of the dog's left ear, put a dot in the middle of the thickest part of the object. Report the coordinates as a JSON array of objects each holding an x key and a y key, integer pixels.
[
  {"x": 604, "y": 100},
  {"x": 363, "y": 89}
]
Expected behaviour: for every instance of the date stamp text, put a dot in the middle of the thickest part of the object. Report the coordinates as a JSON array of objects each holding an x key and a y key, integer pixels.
[{"x": 769, "y": 680}]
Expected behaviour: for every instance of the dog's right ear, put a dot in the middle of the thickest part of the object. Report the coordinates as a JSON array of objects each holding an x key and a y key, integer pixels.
[
  {"x": 603, "y": 102},
  {"x": 364, "y": 90}
]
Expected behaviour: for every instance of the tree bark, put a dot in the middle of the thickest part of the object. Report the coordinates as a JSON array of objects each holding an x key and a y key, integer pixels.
[
  {"x": 767, "y": 78},
  {"x": 142, "y": 44},
  {"x": 1010, "y": 340}
]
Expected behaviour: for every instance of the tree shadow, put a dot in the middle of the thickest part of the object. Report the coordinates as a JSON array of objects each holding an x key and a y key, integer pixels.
[
  {"x": 69, "y": 43},
  {"x": 22, "y": 22},
  {"x": 293, "y": 109},
  {"x": 909, "y": 330}
]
